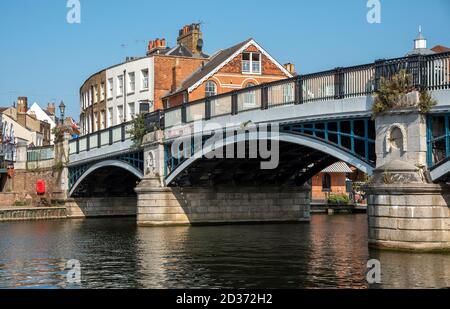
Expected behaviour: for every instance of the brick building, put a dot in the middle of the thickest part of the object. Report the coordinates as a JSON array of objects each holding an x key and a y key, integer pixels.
[
  {"x": 243, "y": 65},
  {"x": 114, "y": 95},
  {"x": 331, "y": 180}
]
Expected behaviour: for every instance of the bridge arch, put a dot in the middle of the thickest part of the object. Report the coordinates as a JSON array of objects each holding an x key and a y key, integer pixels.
[
  {"x": 104, "y": 164},
  {"x": 297, "y": 139},
  {"x": 441, "y": 171}
]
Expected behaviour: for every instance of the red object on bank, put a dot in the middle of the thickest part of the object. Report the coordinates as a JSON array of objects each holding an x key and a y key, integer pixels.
[{"x": 40, "y": 186}]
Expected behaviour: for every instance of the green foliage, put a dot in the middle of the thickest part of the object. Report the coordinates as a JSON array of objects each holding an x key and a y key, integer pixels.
[
  {"x": 392, "y": 94},
  {"x": 58, "y": 166},
  {"x": 338, "y": 199},
  {"x": 137, "y": 130},
  {"x": 22, "y": 203},
  {"x": 426, "y": 102}
]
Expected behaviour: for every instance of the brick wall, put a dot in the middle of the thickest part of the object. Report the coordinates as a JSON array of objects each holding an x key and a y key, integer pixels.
[
  {"x": 230, "y": 77},
  {"x": 337, "y": 185},
  {"x": 7, "y": 199},
  {"x": 170, "y": 72},
  {"x": 24, "y": 183}
]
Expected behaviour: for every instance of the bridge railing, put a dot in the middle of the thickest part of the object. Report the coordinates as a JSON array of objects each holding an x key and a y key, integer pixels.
[
  {"x": 102, "y": 138},
  {"x": 428, "y": 72}
]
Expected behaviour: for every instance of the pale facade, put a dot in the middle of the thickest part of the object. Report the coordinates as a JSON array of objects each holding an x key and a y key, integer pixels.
[
  {"x": 129, "y": 86},
  {"x": 42, "y": 116},
  {"x": 14, "y": 131}
]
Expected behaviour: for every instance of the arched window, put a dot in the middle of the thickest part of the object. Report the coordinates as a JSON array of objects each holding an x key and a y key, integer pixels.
[
  {"x": 210, "y": 89},
  {"x": 288, "y": 93},
  {"x": 326, "y": 183},
  {"x": 249, "y": 98}
]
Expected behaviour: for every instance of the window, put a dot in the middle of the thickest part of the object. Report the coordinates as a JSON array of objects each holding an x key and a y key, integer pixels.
[
  {"x": 251, "y": 63},
  {"x": 144, "y": 79},
  {"x": 119, "y": 85},
  {"x": 249, "y": 98},
  {"x": 102, "y": 91},
  {"x": 326, "y": 183},
  {"x": 95, "y": 93},
  {"x": 110, "y": 117},
  {"x": 131, "y": 82},
  {"x": 119, "y": 114},
  {"x": 288, "y": 93},
  {"x": 131, "y": 111},
  {"x": 210, "y": 89},
  {"x": 102, "y": 120},
  {"x": 95, "y": 128},
  {"x": 110, "y": 88},
  {"x": 90, "y": 96}
]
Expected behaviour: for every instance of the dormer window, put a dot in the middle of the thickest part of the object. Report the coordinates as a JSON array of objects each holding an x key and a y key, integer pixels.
[{"x": 251, "y": 63}]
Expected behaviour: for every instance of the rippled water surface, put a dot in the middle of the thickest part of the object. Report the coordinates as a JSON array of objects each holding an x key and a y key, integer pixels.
[{"x": 331, "y": 251}]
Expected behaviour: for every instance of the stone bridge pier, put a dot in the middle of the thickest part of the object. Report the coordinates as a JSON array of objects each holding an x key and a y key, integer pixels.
[
  {"x": 160, "y": 205},
  {"x": 405, "y": 209}
]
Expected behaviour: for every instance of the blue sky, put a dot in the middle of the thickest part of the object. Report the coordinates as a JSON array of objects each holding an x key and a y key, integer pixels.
[{"x": 47, "y": 59}]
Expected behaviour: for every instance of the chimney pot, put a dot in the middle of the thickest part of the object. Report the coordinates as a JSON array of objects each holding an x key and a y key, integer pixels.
[
  {"x": 163, "y": 43},
  {"x": 22, "y": 104},
  {"x": 290, "y": 67}
]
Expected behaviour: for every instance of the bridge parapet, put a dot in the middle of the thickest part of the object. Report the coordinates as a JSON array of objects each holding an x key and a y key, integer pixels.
[{"x": 428, "y": 72}]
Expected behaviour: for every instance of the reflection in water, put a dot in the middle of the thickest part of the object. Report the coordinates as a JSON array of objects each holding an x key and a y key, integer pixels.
[{"x": 114, "y": 253}]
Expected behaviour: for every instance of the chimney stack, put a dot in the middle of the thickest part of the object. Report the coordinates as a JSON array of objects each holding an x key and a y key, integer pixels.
[
  {"x": 290, "y": 67},
  {"x": 156, "y": 46},
  {"x": 51, "y": 108},
  {"x": 22, "y": 105},
  {"x": 190, "y": 36}
]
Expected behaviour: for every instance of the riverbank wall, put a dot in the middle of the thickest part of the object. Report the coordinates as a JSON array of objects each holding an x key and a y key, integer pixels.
[{"x": 32, "y": 213}]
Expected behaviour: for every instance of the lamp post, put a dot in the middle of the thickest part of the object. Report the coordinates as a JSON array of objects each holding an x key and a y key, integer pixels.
[{"x": 62, "y": 109}]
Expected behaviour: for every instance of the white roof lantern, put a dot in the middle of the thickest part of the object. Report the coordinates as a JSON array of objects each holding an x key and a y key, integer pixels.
[{"x": 420, "y": 42}]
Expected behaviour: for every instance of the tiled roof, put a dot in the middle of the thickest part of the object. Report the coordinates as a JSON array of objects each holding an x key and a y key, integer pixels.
[
  {"x": 338, "y": 167},
  {"x": 215, "y": 61},
  {"x": 181, "y": 50},
  {"x": 440, "y": 49}
]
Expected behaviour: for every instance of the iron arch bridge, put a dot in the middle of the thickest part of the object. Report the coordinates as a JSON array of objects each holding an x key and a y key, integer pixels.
[
  {"x": 305, "y": 148},
  {"x": 132, "y": 163},
  {"x": 438, "y": 146}
]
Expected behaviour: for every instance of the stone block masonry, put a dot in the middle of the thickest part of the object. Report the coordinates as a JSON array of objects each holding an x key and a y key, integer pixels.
[
  {"x": 220, "y": 205},
  {"x": 26, "y": 214},
  {"x": 410, "y": 217},
  {"x": 101, "y": 207}
]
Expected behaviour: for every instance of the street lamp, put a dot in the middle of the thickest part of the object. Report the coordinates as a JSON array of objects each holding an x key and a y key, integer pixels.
[{"x": 62, "y": 109}]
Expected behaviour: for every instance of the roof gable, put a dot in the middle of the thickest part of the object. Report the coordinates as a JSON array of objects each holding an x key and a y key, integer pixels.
[
  {"x": 232, "y": 53},
  {"x": 221, "y": 59}
]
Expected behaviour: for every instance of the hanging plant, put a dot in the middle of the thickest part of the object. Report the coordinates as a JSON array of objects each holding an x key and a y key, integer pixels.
[{"x": 393, "y": 92}]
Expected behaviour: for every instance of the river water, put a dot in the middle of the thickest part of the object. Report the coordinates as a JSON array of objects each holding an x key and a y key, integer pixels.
[{"x": 329, "y": 252}]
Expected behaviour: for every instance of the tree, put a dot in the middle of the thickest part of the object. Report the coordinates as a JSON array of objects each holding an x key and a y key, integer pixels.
[{"x": 137, "y": 130}]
